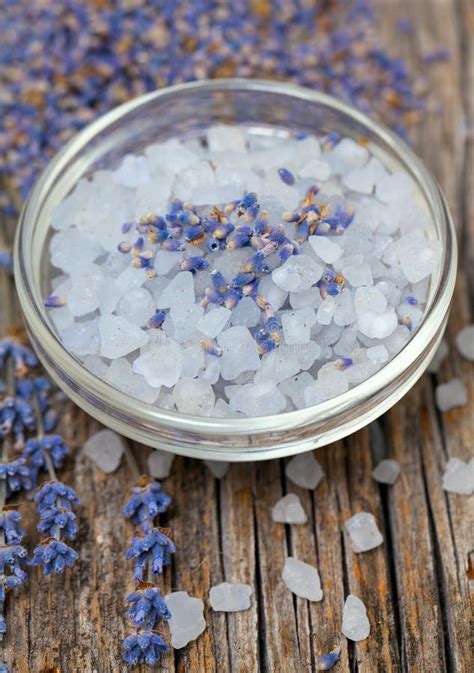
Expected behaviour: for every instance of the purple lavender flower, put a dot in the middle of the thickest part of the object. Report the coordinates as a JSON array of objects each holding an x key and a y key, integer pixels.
[
  {"x": 10, "y": 526},
  {"x": 16, "y": 416},
  {"x": 147, "y": 606},
  {"x": 6, "y": 262},
  {"x": 154, "y": 548},
  {"x": 59, "y": 523},
  {"x": 54, "y": 555},
  {"x": 37, "y": 386},
  {"x": 145, "y": 503},
  {"x": 54, "y": 493},
  {"x": 35, "y": 450},
  {"x": 23, "y": 356},
  {"x": 145, "y": 647},
  {"x": 17, "y": 475},
  {"x": 11, "y": 556}
]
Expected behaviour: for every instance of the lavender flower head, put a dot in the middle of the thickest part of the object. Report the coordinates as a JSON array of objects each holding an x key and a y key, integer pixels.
[
  {"x": 16, "y": 415},
  {"x": 146, "y": 502},
  {"x": 145, "y": 647},
  {"x": 36, "y": 448},
  {"x": 147, "y": 606},
  {"x": 16, "y": 474},
  {"x": 10, "y": 526},
  {"x": 154, "y": 548},
  {"x": 54, "y": 555},
  {"x": 54, "y": 493},
  {"x": 58, "y": 522}
]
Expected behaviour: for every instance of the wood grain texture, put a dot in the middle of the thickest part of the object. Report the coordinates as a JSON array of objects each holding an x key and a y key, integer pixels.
[{"x": 416, "y": 587}]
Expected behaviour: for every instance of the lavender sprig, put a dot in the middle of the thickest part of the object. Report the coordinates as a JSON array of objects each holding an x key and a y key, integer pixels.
[{"x": 151, "y": 550}]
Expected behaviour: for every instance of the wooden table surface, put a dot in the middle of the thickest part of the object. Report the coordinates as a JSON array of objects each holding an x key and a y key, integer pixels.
[{"x": 415, "y": 586}]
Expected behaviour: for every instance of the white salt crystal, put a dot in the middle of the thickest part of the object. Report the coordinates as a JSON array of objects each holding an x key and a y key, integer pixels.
[
  {"x": 187, "y": 618},
  {"x": 344, "y": 313},
  {"x": 355, "y": 625},
  {"x": 347, "y": 155},
  {"x": 96, "y": 365},
  {"x": 302, "y": 579},
  {"x": 358, "y": 274},
  {"x": 210, "y": 370},
  {"x": 161, "y": 362},
  {"x": 166, "y": 260},
  {"x": 193, "y": 180},
  {"x": 118, "y": 336},
  {"x": 289, "y": 510},
  {"x": 277, "y": 365},
  {"x": 451, "y": 395},
  {"x": 195, "y": 397},
  {"x": 214, "y": 322},
  {"x": 137, "y": 306},
  {"x": 185, "y": 317},
  {"x": 173, "y": 154},
  {"x": 378, "y": 354},
  {"x": 378, "y": 326},
  {"x": 82, "y": 338},
  {"x": 297, "y": 325},
  {"x": 363, "y": 531},
  {"x": 153, "y": 196},
  {"x": 160, "y": 463},
  {"x": 121, "y": 375},
  {"x": 106, "y": 449},
  {"x": 459, "y": 476},
  {"x": 326, "y": 311},
  {"x": 227, "y": 597},
  {"x": 246, "y": 313},
  {"x": 394, "y": 188},
  {"x": 239, "y": 352},
  {"x": 179, "y": 291},
  {"x": 258, "y": 399},
  {"x": 369, "y": 299},
  {"x": 218, "y": 468},
  {"x": 364, "y": 179},
  {"x": 465, "y": 342},
  {"x": 304, "y": 471},
  {"x": 222, "y": 138},
  {"x": 133, "y": 171},
  {"x": 330, "y": 382},
  {"x": 439, "y": 356},
  {"x": 307, "y": 298},
  {"x": 83, "y": 296},
  {"x": 109, "y": 294},
  {"x": 325, "y": 248},
  {"x": 396, "y": 341},
  {"x": 387, "y": 471},
  {"x": 73, "y": 248},
  {"x": 316, "y": 169},
  {"x": 295, "y": 386},
  {"x": 299, "y": 272}
]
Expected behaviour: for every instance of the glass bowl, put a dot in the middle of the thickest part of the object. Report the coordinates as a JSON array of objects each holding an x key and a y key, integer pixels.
[{"x": 267, "y": 107}]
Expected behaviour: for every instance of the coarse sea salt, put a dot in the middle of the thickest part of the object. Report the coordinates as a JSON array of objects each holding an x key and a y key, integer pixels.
[{"x": 222, "y": 277}]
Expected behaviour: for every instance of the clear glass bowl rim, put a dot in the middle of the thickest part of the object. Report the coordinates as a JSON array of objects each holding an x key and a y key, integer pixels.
[{"x": 147, "y": 416}]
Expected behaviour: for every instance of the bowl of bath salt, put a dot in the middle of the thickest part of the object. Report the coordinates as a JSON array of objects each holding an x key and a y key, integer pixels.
[{"x": 235, "y": 269}]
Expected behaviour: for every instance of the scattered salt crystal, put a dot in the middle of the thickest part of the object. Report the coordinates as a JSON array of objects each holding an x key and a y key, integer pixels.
[
  {"x": 214, "y": 322},
  {"x": 304, "y": 471},
  {"x": 277, "y": 365},
  {"x": 358, "y": 274},
  {"x": 326, "y": 311},
  {"x": 347, "y": 155},
  {"x": 82, "y": 338},
  {"x": 137, "y": 306},
  {"x": 239, "y": 352},
  {"x": 218, "y": 468},
  {"x": 298, "y": 273},
  {"x": 465, "y": 342},
  {"x": 378, "y": 354},
  {"x": 246, "y": 313},
  {"x": 294, "y": 387},
  {"x": 96, "y": 365},
  {"x": 330, "y": 382},
  {"x": 192, "y": 396},
  {"x": 363, "y": 531},
  {"x": 369, "y": 299},
  {"x": 274, "y": 294},
  {"x": 394, "y": 188},
  {"x": 378, "y": 326},
  {"x": 326, "y": 248},
  {"x": 387, "y": 471},
  {"x": 355, "y": 625},
  {"x": 227, "y": 597},
  {"x": 121, "y": 375},
  {"x": 302, "y": 579},
  {"x": 133, "y": 171},
  {"x": 165, "y": 261},
  {"x": 289, "y": 510},
  {"x": 160, "y": 463},
  {"x": 119, "y": 337},
  {"x": 258, "y": 399},
  {"x": 187, "y": 618},
  {"x": 106, "y": 449},
  {"x": 297, "y": 325},
  {"x": 161, "y": 363},
  {"x": 451, "y": 395},
  {"x": 438, "y": 357},
  {"x": 179, "y": 291},
  {"x": 184, "y": 318},
  {"x": 459, "y": 476}
]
